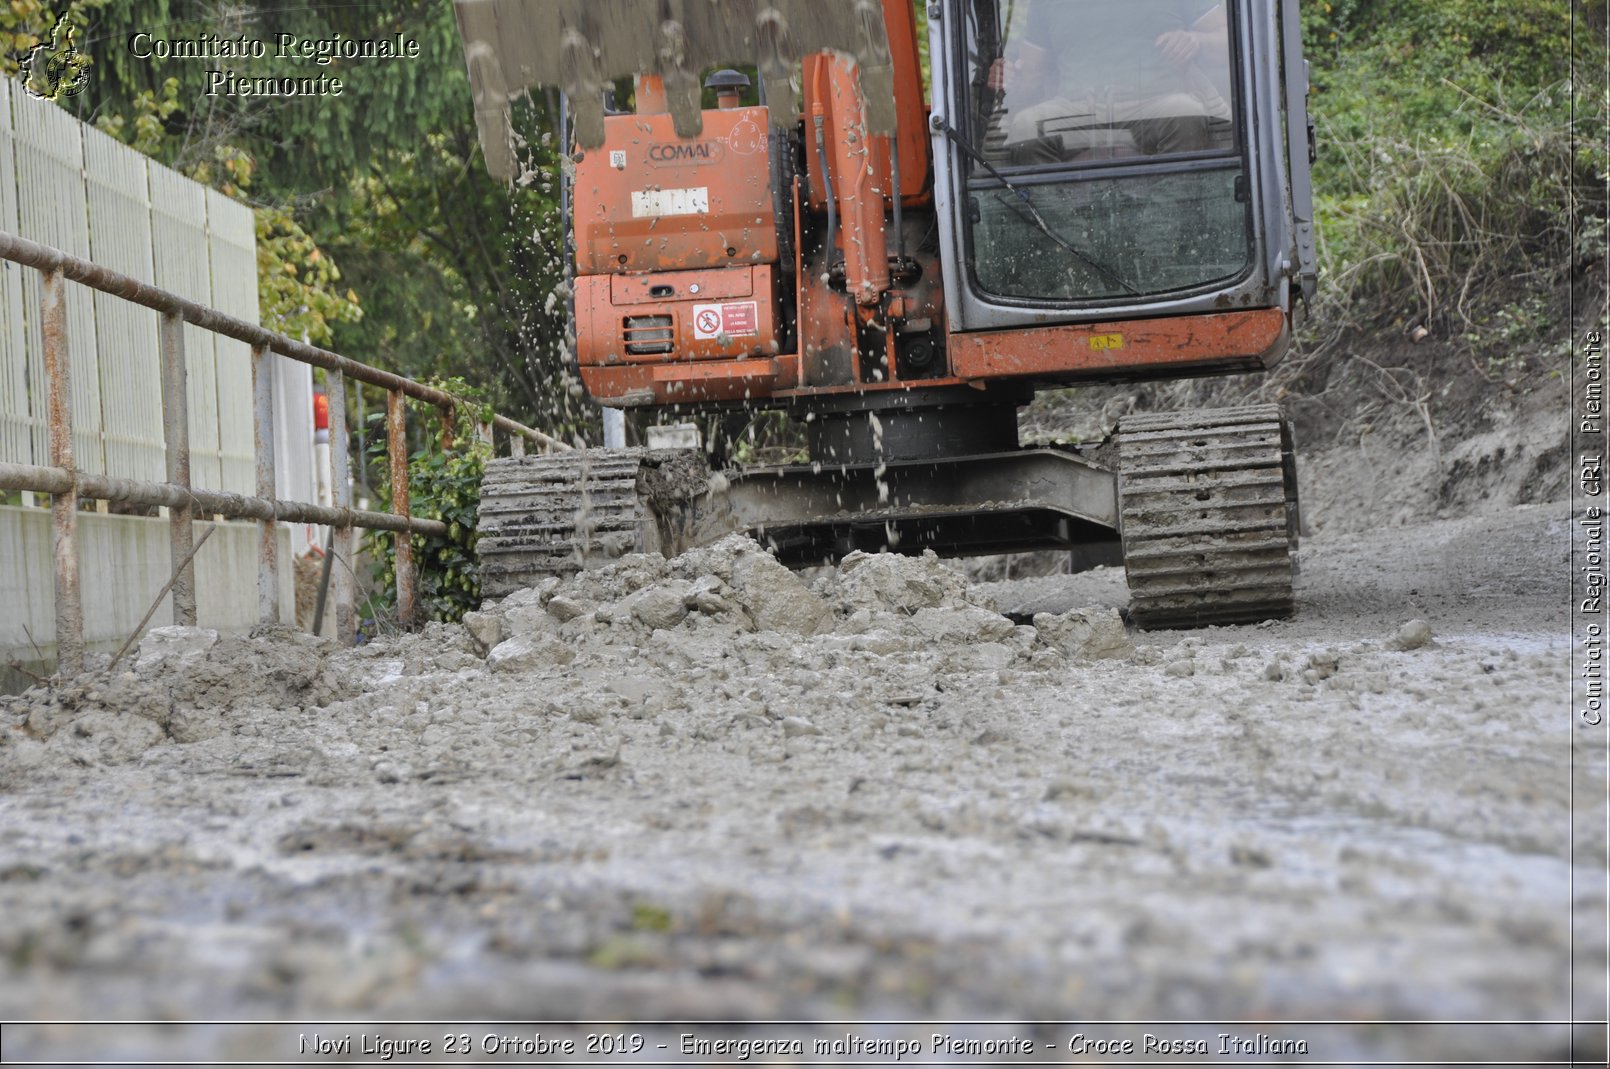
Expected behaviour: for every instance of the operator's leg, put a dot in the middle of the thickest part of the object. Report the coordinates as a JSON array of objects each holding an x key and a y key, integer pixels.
[
  {"x": 1051, "y": 131},
  {"x": 1177, "y": 122}
]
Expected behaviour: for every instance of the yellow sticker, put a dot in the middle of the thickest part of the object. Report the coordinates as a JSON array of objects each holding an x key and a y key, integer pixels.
[{"x": 1103, "y": 342}]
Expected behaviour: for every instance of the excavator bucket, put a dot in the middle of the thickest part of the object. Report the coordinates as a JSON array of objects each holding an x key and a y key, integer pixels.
[{"x": 581, "y": 46}]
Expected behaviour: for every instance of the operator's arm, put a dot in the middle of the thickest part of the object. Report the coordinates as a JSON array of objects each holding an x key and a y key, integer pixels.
[
  {"x": 1024, "y": 61},
  {"x": 1182, "y": 46}
]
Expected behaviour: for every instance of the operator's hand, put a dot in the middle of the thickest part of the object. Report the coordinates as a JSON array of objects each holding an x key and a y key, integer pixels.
[
  {"x": 1023, "y": 71},
  {"x": 1179, "y": 46}
]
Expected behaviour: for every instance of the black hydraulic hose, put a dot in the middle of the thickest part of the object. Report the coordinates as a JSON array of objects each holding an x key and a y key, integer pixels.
[
  {"x": 899, "y": 209},
  {"x": 827, "y": 191}
]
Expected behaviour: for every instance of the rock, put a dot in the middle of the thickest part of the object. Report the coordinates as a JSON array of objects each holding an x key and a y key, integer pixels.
[
  {"x": 1322, "y": 665},
  {"x": 177, "y": 646},
  {"x": 526, "y": 620},
  {"x": 707, "y": 594},
  {"x": 858, "y": 622},
  {"x": 794, "y": 727},
  {"x": 967, "y": 623},
  {"x": 393, "y": 772},
  {"x": 983, "y": 657},
  {"x": 526, "y": 597},
  {"x": 635, "y": 689},
  {"x": 1250, "y": 856},
  {"x": 627, "y": 575},
  {"x": 1085, "y": 634},
  {"x": 1180, "y": 669},
  {"x": 188, "y": 724},
  {"x": 1067, "y": 788},
  {"x": 1024, "y": 639},
  {"x": 484, "y": 629},
  {"x": 897, "y": 582},
  {"x": 774, "y": 597},
  {"x": 525, "y": 652},
  {"x": 661, "y": 606},
  {"x": 107, "y": 738},
  {"x": 1046, "y": 660},
  {"x": 883, "y": 642},
  {"x": 565, "y": 608},
  {"x": 1412, "y": 636}
]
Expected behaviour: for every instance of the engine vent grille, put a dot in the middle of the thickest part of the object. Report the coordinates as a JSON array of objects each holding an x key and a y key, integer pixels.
[{"x": 647, "y": 335}]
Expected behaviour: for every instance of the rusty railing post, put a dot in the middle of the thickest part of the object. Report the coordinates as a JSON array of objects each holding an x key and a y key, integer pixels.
[
  {"x": 449, "y": 435},
  {"x": 268, "y": 561},
  {"x": 397, "y": 453},
  {"x": 346, "y": 624},
  {"x": 176, "y": 432},
  {"x": 63, "y": 503}
]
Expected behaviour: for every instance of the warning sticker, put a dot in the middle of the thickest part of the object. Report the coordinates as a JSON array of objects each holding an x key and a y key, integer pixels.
[{"x": 741, "y": 320}]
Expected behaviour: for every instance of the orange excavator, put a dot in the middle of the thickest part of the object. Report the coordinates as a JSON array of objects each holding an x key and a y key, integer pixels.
[{"x": 925, "y": 213}]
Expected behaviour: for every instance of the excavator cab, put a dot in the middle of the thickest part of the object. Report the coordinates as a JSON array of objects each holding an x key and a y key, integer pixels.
[
  {"x": 1120, "y": 160},
  {"x": 1088, "y": 146}
]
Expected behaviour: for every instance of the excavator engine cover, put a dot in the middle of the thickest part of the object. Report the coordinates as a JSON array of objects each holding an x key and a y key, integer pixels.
[{"x": 651, "y": 201}]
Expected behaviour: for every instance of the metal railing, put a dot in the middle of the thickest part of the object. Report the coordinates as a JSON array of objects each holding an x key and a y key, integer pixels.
[{"x": 67, "y": 485}]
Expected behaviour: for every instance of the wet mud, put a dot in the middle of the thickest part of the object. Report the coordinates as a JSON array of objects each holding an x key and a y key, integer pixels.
[{"x": 713, "y": 788}]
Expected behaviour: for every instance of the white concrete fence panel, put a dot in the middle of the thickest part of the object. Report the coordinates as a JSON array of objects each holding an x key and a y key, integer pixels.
[{"x": 72, "y": 187}]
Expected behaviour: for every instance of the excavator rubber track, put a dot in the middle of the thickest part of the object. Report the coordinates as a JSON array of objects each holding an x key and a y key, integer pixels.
[
  {"x": 554, "y": 514},
  {"x": 1208, "y": 507}
]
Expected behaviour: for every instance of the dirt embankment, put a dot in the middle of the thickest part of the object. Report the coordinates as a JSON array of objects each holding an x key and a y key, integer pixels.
[{"x": 1394, "y": 425}]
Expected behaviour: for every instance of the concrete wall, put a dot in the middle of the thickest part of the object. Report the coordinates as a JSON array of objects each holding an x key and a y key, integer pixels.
[{"x": 123, "y": 562}]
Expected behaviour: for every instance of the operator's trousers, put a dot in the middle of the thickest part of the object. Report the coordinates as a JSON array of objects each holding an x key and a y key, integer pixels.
[{"x": 1066, "y": 129}]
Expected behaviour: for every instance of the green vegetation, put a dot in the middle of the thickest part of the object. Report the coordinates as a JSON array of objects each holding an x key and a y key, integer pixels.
[
  {"x": 373, "y": 202},
  {"x": 1448, "y": 153},
  {"x": 443, "y": 484}
]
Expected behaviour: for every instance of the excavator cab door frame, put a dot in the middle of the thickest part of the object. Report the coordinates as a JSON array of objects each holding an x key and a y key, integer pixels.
[{"x": 1301, "y": 148}]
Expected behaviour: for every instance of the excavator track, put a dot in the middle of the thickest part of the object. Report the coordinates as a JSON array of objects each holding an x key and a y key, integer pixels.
[
  {"x": 1208, "y": 507},
  {"x": 555, "y": 514}
]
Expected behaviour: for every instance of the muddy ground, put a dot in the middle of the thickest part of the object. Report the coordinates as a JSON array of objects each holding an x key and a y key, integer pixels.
[
  {"x": 712, "y": 789},
  {"x": 705, "y": 790}
]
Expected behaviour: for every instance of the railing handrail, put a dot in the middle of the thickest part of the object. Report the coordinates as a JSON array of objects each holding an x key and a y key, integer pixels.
[
  {"x": 48, "y": 480},
  {"x": 66, "y": 483},
  {"x": 20, "y": 250}
]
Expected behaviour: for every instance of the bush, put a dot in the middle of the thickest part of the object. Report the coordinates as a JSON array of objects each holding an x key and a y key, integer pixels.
[
  {"x": 442, "y": 485},
  {"x": 1446, "y": 219},
  {"x": 1448, "y": 151}
]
